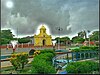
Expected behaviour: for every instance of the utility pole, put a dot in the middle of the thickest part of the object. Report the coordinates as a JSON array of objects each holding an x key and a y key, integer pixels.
[{"x": 17, "y": 37}]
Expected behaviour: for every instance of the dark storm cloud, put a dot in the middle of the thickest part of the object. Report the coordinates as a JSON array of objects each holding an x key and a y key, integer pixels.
[
  {"x": 71, "y": 15},
  {"x": 43, "y": 11},
  {"x": 84, "y": 15}
]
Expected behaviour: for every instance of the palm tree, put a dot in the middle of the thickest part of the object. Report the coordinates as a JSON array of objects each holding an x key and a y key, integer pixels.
[{"x": 82, "y": 34}]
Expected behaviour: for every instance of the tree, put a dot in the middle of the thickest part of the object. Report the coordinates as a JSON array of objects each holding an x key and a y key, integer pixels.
[
  {"x": 24, "y": 40},
  {"x": 94, "y": 36},
  {"x": 82, "y": 34},
  {"x": 6, "y": 36},
  {"x": 62, "y": 40},
  {"x": 77, "y": 39},
  {"x": 4, "y": 41},
  {"x": 19, "y": 60}
]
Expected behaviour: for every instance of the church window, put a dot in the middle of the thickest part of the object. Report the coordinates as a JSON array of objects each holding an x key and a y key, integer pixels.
[{"x": 44, "y": 31}]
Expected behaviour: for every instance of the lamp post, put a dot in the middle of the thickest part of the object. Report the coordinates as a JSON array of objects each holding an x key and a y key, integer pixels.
[
  {"x": 54, "y": 44},
  {"x": 59, "y": 29},
  {"x": 88, "y": 36},
  {"x": 14, "y": 42},
  {"x": 17, "y": 37}
]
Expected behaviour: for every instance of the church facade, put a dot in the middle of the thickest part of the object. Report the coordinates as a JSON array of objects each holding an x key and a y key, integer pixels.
[{"x": 42, "y": 39}]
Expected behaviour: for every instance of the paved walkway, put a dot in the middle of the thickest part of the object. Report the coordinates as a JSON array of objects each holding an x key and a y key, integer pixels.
[
  {"x": 8, "y": 63},
  {"x": 9, "y": 51}
]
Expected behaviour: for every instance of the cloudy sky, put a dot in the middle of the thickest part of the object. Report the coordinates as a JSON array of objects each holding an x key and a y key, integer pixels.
[{"x": 71, "y": 16}]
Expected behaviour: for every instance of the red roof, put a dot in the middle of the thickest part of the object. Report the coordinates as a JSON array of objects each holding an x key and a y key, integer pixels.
[{"x": 91, "y": 42}]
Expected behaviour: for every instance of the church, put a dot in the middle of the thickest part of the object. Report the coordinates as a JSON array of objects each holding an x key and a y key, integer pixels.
[{"x": 42, "y": 39}]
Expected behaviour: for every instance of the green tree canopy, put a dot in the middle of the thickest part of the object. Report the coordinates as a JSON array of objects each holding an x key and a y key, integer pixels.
[
  {"x": 63, "y": 39},
  {"x": 24, "y": 40},
  {"x": 94, "y": 36},
  {"x": 6, "y": 36},
  {"x": 77, "y": 39}
]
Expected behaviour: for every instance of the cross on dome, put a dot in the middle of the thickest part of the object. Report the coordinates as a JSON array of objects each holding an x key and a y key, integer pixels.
[{"x": 43, "y": 27}]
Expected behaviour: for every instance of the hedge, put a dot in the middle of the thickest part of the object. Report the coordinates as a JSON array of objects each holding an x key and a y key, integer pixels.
[
  {"x": 48, "y": 51},
  {"x": 82, "y": 67},
  {"x": 42, "y": 63},
  {"x": 45, "y": 56},
  {"x": 86, "y": 48},
  {"x": 42, "y": 67},
  {"x": 89, "y": 47}
]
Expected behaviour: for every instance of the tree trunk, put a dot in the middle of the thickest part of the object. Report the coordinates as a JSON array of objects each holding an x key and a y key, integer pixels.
[{"x": 22, "y": 65}]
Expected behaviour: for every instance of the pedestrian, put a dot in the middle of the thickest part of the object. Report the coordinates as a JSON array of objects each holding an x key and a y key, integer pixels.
[
  {"x": 7, "y": 48},
  {"x": 14, "y": 50}
]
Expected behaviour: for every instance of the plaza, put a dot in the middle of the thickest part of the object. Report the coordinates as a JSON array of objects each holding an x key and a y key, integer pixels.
[{"x": 64, "y": 53}]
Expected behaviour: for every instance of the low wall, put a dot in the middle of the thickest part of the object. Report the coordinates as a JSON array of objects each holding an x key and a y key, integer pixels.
[
  {"x": 18, "y": 46},
  {"x": 32, "y": 46}
]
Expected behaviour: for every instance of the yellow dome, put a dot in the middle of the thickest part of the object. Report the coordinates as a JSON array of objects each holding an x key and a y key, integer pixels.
[{"x": 42, "y": 27}]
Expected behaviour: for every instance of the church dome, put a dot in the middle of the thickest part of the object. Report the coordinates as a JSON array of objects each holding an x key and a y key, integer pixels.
[{"x": 42, "y": 27}]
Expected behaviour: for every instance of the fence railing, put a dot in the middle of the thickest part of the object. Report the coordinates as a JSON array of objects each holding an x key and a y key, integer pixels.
[{"x": 76, "y": 56}]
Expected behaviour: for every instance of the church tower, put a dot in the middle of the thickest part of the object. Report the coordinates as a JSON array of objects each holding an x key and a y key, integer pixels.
[{"x": 42, "y": 39}]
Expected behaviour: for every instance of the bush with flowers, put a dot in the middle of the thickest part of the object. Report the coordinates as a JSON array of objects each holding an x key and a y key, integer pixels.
[
  {"x": 19, "y": 60},
  {"x": 37, "y": 52}
]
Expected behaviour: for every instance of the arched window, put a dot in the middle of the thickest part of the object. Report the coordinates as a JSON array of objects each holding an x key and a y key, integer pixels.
[
  {"x": 43, "y": 31},
  {"x": 43, "y": 35}
]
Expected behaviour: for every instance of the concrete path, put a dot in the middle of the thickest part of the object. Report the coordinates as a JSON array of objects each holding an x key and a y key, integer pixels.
[
  {"x": 8, "y": 63},
  {"x": 9, "y": 51}
]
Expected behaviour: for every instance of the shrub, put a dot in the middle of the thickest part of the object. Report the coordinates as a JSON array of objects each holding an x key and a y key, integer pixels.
[
  {"x": 42, "y": 63},
  {"x": 45, "y": 56},
  {"x": 33, "y": 70},
  {"x": 42, "y": 66},
  {"x": 85, "y": 48},
  {"x": 48, "y": 51},
  {"x": 89, "y": 47},
  {"x": 36, "y": 53},
  {"x": 76, "y": 50},
  {"x": 18, "y": 60},
  {"x": 71, "y": 69},
  {"x": 82, "y": 67}
]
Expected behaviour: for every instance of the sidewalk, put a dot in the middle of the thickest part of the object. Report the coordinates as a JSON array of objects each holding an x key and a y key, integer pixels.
[{"x": 8, "y": 64}]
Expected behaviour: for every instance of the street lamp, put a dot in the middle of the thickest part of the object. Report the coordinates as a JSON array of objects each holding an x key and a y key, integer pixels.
[
  {"x": 54, "y": 44},
  {"x": 59, "y": 29},
  {"x": 88, "y": 37},
  {"x": 14, "y": 42}
]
